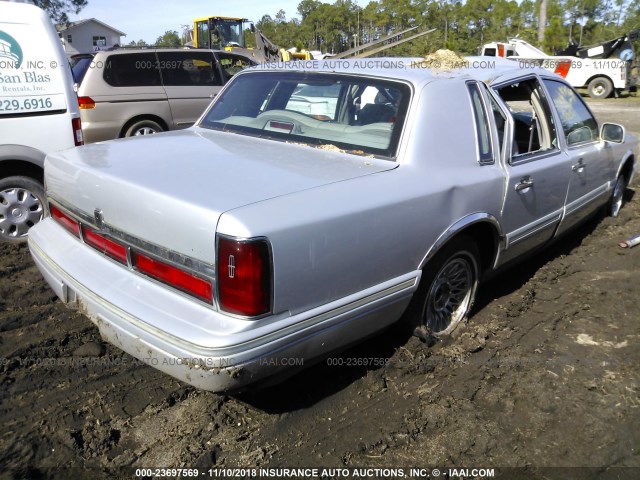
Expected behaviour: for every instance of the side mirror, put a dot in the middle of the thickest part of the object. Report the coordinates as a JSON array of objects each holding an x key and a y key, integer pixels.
[{"x": 612, "y": 132}]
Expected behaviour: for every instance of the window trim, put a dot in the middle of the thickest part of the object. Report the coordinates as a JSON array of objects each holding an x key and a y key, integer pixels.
[{"x": 489, "y": 158}]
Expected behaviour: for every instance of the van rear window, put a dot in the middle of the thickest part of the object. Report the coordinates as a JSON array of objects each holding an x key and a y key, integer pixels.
[
  {"x": 79, "y": 67},
  {"x": 132, "y": 70}
]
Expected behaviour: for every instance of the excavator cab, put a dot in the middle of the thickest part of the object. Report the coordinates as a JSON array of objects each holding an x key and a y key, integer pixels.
[{"x": 220, "y": 33}]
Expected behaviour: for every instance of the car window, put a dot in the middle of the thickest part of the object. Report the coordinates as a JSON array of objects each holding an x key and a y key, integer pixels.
[
  {"x": 188, "y": 69},
  {"x": 79, "y": 67},
  {"x": 132, "y": 70},
  {"x": 534, "y": 130},
  {"x": 483, "y": 130},
  {"x": 329, "y": 110},
  {"x": 578, "y": 124},
  {"x": 232, "y": 64},
  {"x": 319, "y": 101}
]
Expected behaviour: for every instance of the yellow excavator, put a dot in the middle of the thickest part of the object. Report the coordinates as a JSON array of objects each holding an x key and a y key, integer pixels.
[{"x": 228, "y": 33}]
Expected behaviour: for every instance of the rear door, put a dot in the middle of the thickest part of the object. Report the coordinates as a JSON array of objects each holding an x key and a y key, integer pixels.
[
  {"x": 191, "y": 80},
  {"x": 537, "y": 169}
]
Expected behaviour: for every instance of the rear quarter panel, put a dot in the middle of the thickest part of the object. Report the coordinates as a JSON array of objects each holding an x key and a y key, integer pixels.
[{"x": 339, "y": 239}]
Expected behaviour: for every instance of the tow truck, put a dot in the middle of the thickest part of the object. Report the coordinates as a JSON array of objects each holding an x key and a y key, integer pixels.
[{"x": 600, "y": 76}]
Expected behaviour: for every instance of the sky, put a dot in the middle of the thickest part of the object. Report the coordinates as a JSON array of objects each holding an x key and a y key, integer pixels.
[{"x": 148, "y": 19}]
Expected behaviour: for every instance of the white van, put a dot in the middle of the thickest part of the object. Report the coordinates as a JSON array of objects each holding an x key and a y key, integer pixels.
[{"x": 38, "y": 113}]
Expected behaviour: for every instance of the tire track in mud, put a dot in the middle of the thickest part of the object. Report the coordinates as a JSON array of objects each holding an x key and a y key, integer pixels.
[{"x": 536, "y": 395}]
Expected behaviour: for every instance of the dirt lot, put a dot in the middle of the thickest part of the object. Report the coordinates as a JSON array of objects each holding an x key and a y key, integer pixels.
[{"x": 545, "y": 374}]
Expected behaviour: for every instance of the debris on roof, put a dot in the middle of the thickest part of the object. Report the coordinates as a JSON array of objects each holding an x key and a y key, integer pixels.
[{"x": 442, "y": 59}]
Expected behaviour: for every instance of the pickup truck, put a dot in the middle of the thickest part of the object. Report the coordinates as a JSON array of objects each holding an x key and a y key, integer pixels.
[
  {"x": 600, "y": 76},
  {"x": 267, "y": 237}
]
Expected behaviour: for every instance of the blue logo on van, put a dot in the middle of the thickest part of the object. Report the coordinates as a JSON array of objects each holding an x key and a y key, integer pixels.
[{"x": 10, "y": 49}]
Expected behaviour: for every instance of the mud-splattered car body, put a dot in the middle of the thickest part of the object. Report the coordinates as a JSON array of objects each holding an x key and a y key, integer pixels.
[{"x": 264, "y": 238}]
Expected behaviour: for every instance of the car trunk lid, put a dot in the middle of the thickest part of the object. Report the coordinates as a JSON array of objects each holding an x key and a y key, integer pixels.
[{"x": 170, "y": 189}]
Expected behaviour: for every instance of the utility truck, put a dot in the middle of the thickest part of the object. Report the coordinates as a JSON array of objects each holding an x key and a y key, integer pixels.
[{"x": 600, "y": 76}]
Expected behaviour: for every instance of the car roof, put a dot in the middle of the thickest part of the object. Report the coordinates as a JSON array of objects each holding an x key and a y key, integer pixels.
[{"x": 490, "y": 70}]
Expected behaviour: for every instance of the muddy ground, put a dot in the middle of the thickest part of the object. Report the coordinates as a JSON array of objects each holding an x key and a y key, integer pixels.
[{"x": 544, "y": 374}]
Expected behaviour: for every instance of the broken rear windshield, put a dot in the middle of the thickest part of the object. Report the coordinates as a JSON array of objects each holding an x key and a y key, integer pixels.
[{"x": 356, "y": 114}]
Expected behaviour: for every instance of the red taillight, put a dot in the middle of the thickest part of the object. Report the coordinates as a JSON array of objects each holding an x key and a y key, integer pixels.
[
  {"x": 103, "y": 244},
  {"x": 173, "y": 276},
  {"x": 65, "y": 220},
  {"x": 563, "y": 68},
  {"x": 244, "y": 276},
  {"x": 86, "y": 103},
  {"x": 78, "y": 137}
]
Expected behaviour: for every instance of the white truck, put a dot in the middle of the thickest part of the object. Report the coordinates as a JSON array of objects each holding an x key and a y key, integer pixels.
[{"x": 601, "y": 76}]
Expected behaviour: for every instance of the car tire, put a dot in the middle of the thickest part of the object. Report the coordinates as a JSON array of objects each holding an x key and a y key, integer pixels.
[
  {"x": 600, "y": 87},
  {"x": 617, "y": 196},
  {"x": 22, "y": 205},
  {"x": 143, "y": 127},
  {"x": 447, "y": 289}
]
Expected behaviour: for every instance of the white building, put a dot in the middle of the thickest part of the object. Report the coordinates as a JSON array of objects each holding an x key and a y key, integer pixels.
[{"x": 90, "y": 35}]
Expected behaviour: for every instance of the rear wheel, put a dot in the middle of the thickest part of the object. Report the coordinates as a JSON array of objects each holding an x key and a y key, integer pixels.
[
  {"x": 600, "y": 87},
  {"x": 22, "y": 205},
  {"x": 447, "y": 289},
  {"x": 143, "y": 127}
]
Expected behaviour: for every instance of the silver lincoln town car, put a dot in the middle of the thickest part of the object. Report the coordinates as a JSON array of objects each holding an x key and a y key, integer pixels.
[{"x": 311, "y": 207}]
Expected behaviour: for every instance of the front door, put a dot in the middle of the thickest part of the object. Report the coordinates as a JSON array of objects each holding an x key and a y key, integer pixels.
[{"x": 591, "y": 165}]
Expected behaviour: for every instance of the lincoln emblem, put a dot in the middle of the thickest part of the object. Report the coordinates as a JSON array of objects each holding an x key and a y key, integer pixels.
[{"x": 232, "y": 266}]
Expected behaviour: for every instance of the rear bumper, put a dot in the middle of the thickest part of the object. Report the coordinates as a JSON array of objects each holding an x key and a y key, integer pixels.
[{"x": 157, "y": 325}]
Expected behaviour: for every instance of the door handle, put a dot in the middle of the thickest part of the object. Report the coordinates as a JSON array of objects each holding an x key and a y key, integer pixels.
[
  {"x": 579, "y": 167},
  {"x": 526, "y": 182}
]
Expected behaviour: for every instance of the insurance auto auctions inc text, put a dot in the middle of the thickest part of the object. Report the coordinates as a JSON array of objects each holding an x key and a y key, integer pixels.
[{"x": 300, "y": 473}]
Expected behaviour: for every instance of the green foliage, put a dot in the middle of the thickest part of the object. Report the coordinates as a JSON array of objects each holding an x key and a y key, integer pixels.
[
  {"x": 462, "y": 25},
  {"x": 139, "y": 43},
  {"x": 169, "y": 39},
  {"x": 58, "y": 10}
]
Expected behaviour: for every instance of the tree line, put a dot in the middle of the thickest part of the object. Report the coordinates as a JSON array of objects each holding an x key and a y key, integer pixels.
[{"x": 462, "y": 26}]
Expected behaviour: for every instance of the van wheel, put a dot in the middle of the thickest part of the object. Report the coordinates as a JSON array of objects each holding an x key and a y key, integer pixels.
[
  {"x": 143, "y": 127},
  {"x": 447, "y": 289},
  {"x": 22, "y": 205},
  {"x": 600, "y": 87}
]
